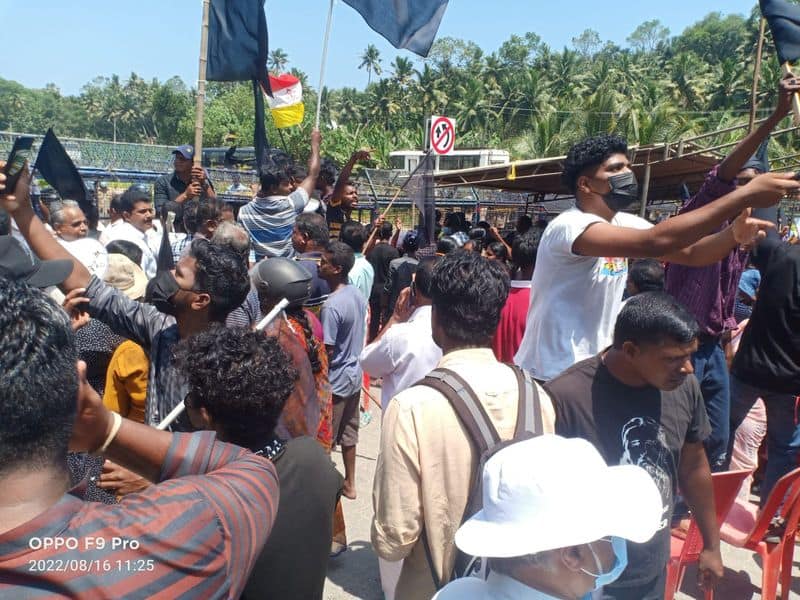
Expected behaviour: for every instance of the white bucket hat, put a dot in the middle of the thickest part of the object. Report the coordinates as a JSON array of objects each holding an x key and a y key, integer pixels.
[{"x": 551, "y": 492}]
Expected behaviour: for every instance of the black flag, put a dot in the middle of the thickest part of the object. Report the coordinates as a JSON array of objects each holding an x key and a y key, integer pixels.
[
  {"x": 784, "y": 22},
  {"x": 237, "y": 41},
  {"x": 58, "y": 170},
  {"x": 237, "y": 51},
  {"x": 165, "y": 261},
  {"x": 410, "y": 24}
]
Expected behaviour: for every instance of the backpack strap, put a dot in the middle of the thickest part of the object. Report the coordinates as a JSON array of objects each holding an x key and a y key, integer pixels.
[
  {"x": 479, "y": 427},
  {"x": 468, "y": 408},
  {"x": 529, "y": 412}
]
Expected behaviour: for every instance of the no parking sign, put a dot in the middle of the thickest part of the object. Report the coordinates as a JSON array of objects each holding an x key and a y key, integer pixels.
[{"x": 442, "y": 134}]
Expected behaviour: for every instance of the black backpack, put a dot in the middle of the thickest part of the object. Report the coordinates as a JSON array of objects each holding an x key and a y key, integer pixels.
[{"x": 485, "y": 441}]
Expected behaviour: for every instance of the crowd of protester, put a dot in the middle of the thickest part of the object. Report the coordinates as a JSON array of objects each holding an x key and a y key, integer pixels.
[{"x": 553, "y": 401}]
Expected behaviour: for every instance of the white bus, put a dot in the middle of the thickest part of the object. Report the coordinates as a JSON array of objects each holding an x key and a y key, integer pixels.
[{"x": 407, "y": 160}]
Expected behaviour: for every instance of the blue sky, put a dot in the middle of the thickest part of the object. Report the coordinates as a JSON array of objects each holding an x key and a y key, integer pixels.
[{"x": 70, "y": 43}]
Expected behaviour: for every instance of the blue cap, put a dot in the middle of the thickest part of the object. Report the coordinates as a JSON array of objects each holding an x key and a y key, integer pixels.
[
  {"x": 186, "y": 151},
  {"x": 749, "y": 282}
]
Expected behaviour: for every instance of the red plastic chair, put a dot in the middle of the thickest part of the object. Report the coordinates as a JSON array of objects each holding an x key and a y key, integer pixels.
[
  {"x": 745, "y": 527},
  {"x": 685, "y": 550}
]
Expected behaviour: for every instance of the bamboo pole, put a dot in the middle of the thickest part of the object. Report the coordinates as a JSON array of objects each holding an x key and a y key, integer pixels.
[
  {"x": 322, "y": 65},
  {"x": 757, "y": 74},
  {"x": 786, "y": 68},
  {"x": 199, "y": 114}
]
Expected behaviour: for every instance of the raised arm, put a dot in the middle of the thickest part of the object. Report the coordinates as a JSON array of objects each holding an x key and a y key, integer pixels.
[
  {"x": 681, "y": 231},
  {"x": 730, "y": 167},
  {"x": 344, "y": 176},
  {"x": 310, "y": 182},
  {"x": 41, "y": 241}
]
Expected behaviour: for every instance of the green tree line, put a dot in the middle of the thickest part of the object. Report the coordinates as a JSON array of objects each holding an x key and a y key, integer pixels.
[{"x": 527, "y": 97}]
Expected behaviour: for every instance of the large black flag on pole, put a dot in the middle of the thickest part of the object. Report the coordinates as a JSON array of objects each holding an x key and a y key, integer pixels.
[
  {"x": 237, "y": 41},
  {"x": 409, "y": 24},
  {"x": 784, "y": 22},
  {"x": 58, "y": 170},
  {"x": 237, "y": 51}
]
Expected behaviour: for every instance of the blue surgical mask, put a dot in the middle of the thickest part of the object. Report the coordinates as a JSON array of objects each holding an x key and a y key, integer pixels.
[
  {"x": 620, "y": 548},
  {"x": 447, "y": 230}
]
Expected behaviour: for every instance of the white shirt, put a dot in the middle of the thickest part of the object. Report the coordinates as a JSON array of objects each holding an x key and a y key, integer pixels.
[
  {"x": 575, "y": 299},
  {"x": 108, "y": 232},
  {"x": 495, "y": 587},
  {"x": 403, "y": 355},
  {"x": 90, "y": 253},
  {"x": 128, "y": 232}
]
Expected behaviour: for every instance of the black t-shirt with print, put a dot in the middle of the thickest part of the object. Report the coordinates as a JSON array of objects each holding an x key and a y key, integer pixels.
[{"x": 632, "y": 425}]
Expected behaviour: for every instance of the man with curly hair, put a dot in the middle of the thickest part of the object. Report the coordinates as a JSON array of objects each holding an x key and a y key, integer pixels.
[
  {"x": 582, "y": 261},
  {"x": 239, "y": 381},
  {"x": 208, "y": 282}
]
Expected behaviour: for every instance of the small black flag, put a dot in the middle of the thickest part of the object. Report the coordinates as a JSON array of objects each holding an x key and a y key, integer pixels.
[
  {"x": 58, "y": 170},
  {"x": 165, "y": 261},
  {"x": 784, "y": 22}
]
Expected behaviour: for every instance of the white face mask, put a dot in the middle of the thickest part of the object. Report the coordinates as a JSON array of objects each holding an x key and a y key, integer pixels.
[{"x": 620, "y": 548}]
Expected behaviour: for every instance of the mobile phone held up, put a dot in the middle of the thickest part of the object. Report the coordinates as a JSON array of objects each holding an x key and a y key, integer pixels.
[{"x": 20, "y": 154}]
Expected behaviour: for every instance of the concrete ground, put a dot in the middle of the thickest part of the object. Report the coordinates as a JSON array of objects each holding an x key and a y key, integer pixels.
[{"x": 354, "y": 574}]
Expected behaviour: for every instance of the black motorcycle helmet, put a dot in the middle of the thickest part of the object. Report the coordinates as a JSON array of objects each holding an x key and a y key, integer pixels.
[{"x": 278, "y": 278}]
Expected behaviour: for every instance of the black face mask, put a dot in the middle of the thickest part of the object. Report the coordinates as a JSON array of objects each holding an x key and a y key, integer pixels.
[
  {"x": 624, "y": 191},
  {"x": 160, "y": 291}
]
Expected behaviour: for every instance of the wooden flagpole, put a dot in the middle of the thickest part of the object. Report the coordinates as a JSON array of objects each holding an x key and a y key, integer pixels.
[
  {"x": 322, "y": 66},
  {"x": 786, "y": 69},
  {"x": 199, "y": 114},
  {"x": 757, "y": 75}
]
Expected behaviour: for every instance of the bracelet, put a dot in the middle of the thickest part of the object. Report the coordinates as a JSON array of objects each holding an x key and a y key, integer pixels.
[{"x": 111, "y": 434}]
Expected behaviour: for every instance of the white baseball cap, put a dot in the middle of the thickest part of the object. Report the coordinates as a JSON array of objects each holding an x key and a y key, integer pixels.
[{"x": 551, "y": 492}]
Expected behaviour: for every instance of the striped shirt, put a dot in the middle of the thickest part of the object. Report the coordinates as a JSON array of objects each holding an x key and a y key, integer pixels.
[
  {"x": 196, "y": 536},
  {"x": 270, "y": 220},
  {"x": 181, "y": 245}
]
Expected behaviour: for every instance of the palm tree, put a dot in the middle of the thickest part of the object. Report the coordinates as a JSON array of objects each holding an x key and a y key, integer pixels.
[
  {"x": 403, "y": 69},
  {"x": 278, "y": 59},
  {"x": 371, "y": 61}
]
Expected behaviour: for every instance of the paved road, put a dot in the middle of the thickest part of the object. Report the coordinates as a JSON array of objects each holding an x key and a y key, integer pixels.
[{"x": 354, "y": 574}]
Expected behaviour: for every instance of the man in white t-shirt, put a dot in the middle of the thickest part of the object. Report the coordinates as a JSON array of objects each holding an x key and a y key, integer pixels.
[{"x": 582, "y": 266}]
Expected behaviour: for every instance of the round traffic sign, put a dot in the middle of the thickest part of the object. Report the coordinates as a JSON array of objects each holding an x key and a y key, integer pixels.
[{"x": 443, "y": 135}]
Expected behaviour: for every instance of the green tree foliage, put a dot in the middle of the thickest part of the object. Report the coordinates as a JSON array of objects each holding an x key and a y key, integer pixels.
[{"x": 525, "y": 96}]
